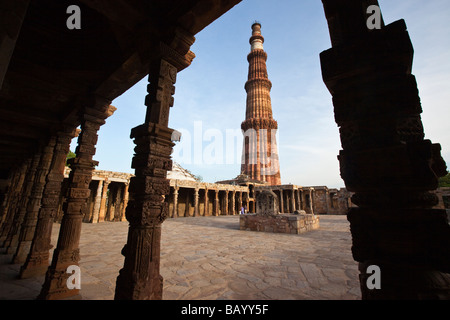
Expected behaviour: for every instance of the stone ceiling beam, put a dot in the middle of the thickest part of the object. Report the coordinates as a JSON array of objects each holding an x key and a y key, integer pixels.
[{"x": 12, "y": 13}]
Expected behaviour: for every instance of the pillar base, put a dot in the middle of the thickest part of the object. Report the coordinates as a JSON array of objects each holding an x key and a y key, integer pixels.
[
  {"x": 31, "y": 272},
  {"x": 55, "y": 287},
  {"x": 409, "y": 246},
  {"x": 404, "y": 282}
]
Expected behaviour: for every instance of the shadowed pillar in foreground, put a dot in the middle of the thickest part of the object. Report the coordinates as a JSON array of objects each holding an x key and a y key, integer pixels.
[{"x": 385, "y": 159}]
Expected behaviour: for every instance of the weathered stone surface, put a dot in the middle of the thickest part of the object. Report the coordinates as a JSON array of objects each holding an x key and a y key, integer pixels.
[
  {"x": 282, "y": 223},
  {"x": 267, "y": 203}
]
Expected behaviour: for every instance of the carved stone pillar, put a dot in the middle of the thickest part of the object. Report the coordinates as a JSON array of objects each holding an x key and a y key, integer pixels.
[
  {"x": 37, "y": 260},
  {"x": 304, "y": 202},
  {"x": 233, "y": 202},
  {"x": 118, "y": 203},
  {"x": 216, "y": 203},
  {"x": 28, "y": 227},
  {"x": 14, "y": 195},
  {"x": 311, "y": 200},
  {"x": 13, "y": 235},
  {"x": 196, "y": 202},
  {"x": 281, "y": 201},
  {"x": 97, "y": 202},
  {"x": 125, "y": 200},
  {"x": 240, "y": 203},
  {"x": 298, "y": 198},
  {"x": 139, "y": 279},
  {"x": 385, "y": 159},
  {"x": 104, "y": 196},
  {"x": 247, "y": 202},
  {"x": 292, "y": 201},
  {"x": 226, "y": 205},
  {"x": 175, "y": 203},
  {"x": 206, "y": 201},
  {"x": 67, "y": 251}
]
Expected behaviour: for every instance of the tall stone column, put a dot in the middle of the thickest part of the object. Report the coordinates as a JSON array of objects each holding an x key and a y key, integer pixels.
[
  {"x": 281, "y": 201},
  {"x": 299, "y": 199},
  {"x": 28, "y": 227},
  {"x": 97, "y": 202},
  {"x": 175, "y": 202},
  {"x": 9, "y": 196},
  {"x": 240, "y": 203},
  {"x": 206, "y": 201},
  {"x": 37, "y": 260},
  {"x": 247, "y": 202},
  {"x": 67, "y": 252},
  {"x": 304, "y": 202},
  {"x": 118, "y": 204},
  {"x": 196, "y": 202},
  {"x": 226, "y": 205},
  {"x": 293, "y": 201},
  {"x": 216, "y": 203},
  {"x": 260, "y": 152},
  {"x": 13, "y": 235},
  {"x": 104, "y": 196},
  {"x": 233, "y": 202},
  {"x": 385, "y": 159},
  {"x": 139, "y": 279},
  {"x": 14, "y": 196},
  {"x": 125, "y": 200}
]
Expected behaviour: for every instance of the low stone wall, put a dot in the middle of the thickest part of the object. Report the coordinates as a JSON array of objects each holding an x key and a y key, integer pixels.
[{"x": 282, "y": 223}]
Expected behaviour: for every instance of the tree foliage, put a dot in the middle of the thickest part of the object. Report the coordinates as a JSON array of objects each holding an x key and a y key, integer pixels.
[
  {"x": 444, "y": 181},
  {"x": 70, "y": 155}
]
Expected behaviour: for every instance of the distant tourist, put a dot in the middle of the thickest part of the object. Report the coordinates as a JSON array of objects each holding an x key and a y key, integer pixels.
[{"x": 242, "y": 210}]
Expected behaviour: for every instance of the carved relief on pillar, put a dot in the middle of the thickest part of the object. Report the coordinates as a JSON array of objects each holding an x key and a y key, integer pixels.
[
  {"x": 125, "y": 200},
  {"x": 196, "y": 197},
  {"x": 216, "y": 202},
  {"x": 146, "y": 210},
  {"x": 14, "y": 196},
  {"x": 34, "y": 203},
  {"x": 38, "y": 258},
  {"x": 175, "y": 202},
  {"x": 14, "y": 232},
  {"x": 67, "y": 251},
  {"x": 206, "y": 203}
]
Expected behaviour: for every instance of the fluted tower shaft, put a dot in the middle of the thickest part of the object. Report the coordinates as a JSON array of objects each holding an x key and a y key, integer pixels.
[{"x": 260, "y": 153}]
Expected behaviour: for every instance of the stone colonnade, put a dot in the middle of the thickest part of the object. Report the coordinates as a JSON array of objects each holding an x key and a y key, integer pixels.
[
  {"x": 315, "y": 200},
  {"x": 192, "y": 199},
  {"x": 108, "y": 197}
]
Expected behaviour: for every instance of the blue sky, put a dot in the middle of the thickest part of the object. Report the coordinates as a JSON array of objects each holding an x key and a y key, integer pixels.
[{"x": 210, "y": 96}]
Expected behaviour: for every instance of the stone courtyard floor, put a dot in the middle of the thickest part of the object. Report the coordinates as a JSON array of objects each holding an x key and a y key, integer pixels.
[{"x": 210, "y": 258}]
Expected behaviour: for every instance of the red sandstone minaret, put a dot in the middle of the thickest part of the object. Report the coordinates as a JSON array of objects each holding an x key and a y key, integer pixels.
[{"x": 260, "y": 154}]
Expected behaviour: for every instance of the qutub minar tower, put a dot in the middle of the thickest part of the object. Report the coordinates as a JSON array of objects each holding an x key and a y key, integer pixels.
[{"x": 260, "y": 154}]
